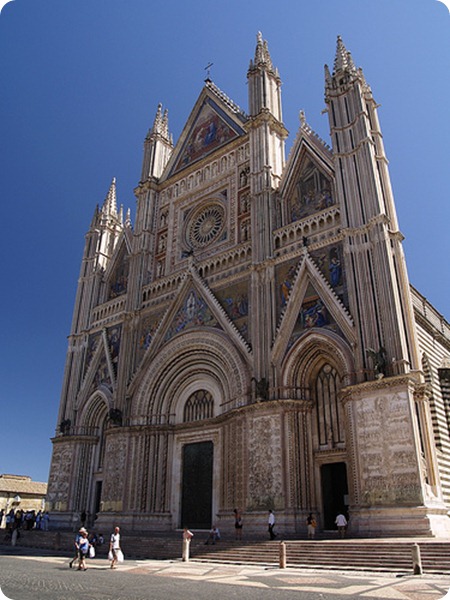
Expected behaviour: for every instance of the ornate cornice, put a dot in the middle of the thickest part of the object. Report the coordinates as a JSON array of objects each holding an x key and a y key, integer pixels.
[{"x": 354, "y": 392}]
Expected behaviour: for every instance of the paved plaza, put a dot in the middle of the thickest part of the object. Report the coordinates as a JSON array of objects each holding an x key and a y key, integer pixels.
[{"x": 28, "y": 575}]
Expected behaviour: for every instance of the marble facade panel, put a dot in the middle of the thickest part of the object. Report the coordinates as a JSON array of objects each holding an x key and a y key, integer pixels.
[
  {"x": 264, "y": 462},
  {"x": 386, "y": 450}
]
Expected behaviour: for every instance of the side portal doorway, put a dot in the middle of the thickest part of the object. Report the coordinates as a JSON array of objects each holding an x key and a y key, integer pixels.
[
  {"x": 334, "y": 492},
  {"x": 197, "y": 482}
]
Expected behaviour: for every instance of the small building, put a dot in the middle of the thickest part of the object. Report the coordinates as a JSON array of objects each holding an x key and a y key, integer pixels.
[{"x": 19, "y": 491}]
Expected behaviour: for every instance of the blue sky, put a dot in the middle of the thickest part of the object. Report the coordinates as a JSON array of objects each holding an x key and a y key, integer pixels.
[{"x": 80, "y": 83}]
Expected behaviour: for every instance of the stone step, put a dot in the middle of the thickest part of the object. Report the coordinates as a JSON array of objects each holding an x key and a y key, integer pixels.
[{"x": 376, "y": 554}]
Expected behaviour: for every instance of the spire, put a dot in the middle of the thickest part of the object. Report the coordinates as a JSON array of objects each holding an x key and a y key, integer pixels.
[
  {"x": 160, "y": 124},
  {"x": 343, "y": 60},
  {"x": 262, "y": 55},
  {"x": 158, "y": 145},
  {"x": 128, "y": 219},
  {"x": 110, "y": 204},
  {"x": 95, "y": 217},
  {"x": 264, "y": 82}
]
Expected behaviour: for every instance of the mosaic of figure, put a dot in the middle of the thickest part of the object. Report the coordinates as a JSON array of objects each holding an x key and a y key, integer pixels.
[
  {"x": 236, "y": 307},
  {"x": 314, "y": 315},
  {"x": 113, "y": 335},
  {"x": 119, "y": 281},
  {"x": 102, "y": 377},
  {"x": 92, "y": 346},
  {"x": 194, "y": 312},
  {"x": 313, "y": 193},
  {"x": 286, "y": 285},
  {"x": 335, "y": 268},
  {"x": 209, "y": 133},
  {"x": 329, "y": 262},
  {"x": 148, "y": 331}
]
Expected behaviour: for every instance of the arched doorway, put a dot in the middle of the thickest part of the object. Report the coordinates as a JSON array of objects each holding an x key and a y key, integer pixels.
[{"x": 197, "y": 485}]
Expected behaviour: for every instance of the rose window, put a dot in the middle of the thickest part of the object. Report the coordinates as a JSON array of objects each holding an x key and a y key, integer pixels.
[{"x": 206, "y": 226}]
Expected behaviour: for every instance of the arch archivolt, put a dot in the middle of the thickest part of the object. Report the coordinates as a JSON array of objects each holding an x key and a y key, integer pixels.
[
  {"x": 94, "y": 409},
  {"x": 308, "y": 356},
  {"x": 186, "y": 364}
]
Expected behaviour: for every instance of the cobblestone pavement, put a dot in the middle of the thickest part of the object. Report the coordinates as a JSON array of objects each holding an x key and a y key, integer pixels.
[{"x": 25, "y": 577}]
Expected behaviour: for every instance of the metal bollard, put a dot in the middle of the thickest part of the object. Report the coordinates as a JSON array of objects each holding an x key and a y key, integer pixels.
[
  {"x": 282, "y": 555},
  {"x": 417, "y": 561},
  {"x": 185, "y": 553}
]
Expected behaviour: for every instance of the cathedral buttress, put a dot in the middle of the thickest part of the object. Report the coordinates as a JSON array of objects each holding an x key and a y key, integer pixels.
[
  {"x": 100, "y": 241},
  {"x": 267, "y": 135},
  {"x": 377, "y": 277}
]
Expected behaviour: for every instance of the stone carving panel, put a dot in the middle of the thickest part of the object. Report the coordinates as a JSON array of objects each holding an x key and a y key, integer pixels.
[
  {"x": 386, "y": 452},
  {"x": 59, "y": 480},
  {"x": 264, "y": 463},
  {"x": 115, "y": 472}
]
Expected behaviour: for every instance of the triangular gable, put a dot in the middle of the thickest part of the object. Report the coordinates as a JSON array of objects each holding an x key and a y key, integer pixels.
[
  {"x": 102, "y": 368},
  {"x": 116, "y": 274},
  {"x": 307, "y": 185},
  {"x": 211, "y": 125},
  {"x": 306, "y": 143},
  {"x": 194, "y": 306},
  {"x": 311, "y": 303}
]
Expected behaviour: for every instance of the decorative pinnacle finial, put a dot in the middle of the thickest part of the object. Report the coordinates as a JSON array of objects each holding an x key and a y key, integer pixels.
[
  {"x": 343, "y": 60},
  {"x": 110, "y": 204},
  {"x": 262, "y": 55},
  {"x": 302, "y": 117},
  {"x": 208, "y": 71}
]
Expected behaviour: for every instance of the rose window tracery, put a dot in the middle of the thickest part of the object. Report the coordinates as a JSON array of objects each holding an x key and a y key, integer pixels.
[{"x": 206, "y": 226}]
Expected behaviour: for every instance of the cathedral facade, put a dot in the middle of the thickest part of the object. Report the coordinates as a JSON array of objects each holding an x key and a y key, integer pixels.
[{"x": 253, "y": 340}]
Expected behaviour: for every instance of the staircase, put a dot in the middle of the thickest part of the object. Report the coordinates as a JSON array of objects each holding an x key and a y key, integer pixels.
[
  {"x": 389, "y": 555},
  {"x": 368, "y": 555}
]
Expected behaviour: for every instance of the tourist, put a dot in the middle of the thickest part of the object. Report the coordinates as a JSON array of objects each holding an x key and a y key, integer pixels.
[
  {"x": 271, "y": 524},
  {"x": 77, "y": 544},
  {"x": 114, "y": 548},
  {"x": 341, "y": 523},
  {"x": 83, "y": 548},
  {"x": 44, "y": 521},
  {"x": 311, "y": 526},
  {"x": 214, "y": 534},
  {"x": 237, "y": 524}
]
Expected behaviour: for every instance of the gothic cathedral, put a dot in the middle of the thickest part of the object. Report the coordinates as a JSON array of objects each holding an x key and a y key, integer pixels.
[{"x": 253, "y": 340}]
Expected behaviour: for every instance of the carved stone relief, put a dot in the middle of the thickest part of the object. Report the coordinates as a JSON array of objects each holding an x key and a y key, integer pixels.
[
  {"x": 115, "y": 472},
  {"x": 264, "y": 463},
  {"x": 60, "y": 475},
  {"x": 386, "y": 451}
]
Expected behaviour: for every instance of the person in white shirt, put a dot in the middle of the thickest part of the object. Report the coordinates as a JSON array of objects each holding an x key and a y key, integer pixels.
[
  {"x": 271, "y": 523},
  {"x": 114, "y": 547},
  {"x": 341, "y": 523}
]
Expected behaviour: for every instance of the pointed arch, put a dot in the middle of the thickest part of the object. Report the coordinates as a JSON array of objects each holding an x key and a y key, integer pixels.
[
  {"x": 310, "y": 352},
  {"x": 318, "y": 366}
]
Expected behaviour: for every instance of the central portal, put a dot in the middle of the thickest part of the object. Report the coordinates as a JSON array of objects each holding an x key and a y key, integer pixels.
[{"x": 196, "y": 495}]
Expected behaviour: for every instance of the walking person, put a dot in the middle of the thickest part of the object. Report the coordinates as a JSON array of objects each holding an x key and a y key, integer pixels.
[
  {"x": 83, "y": 548},
  {"x": 76, "y": 544},
  {"x": 311, "y": 526},
  {"x": 341, "y": 523},
  {"x": 271, "y": 524},
  {"x": 237, "y": 524},
  {"x": 114, "y": 547}
]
